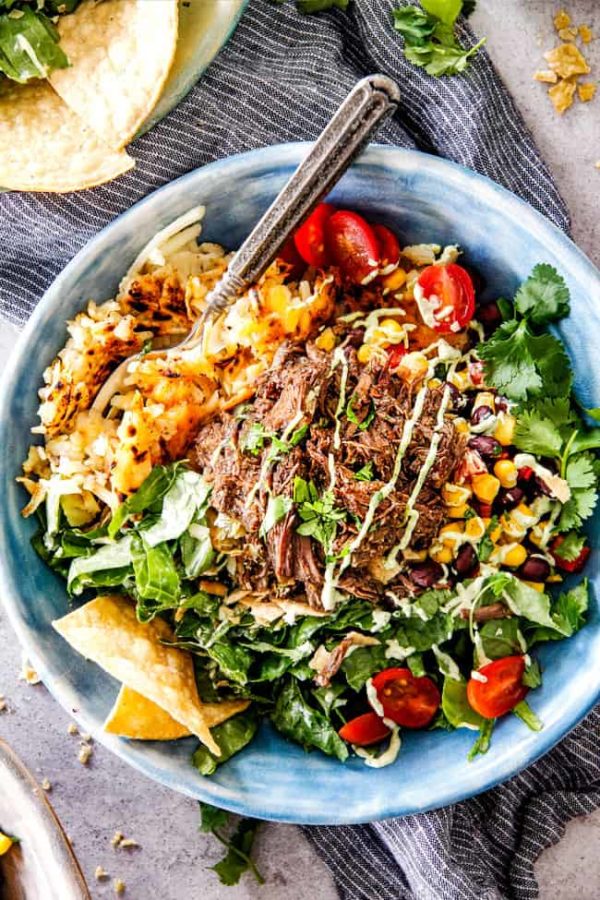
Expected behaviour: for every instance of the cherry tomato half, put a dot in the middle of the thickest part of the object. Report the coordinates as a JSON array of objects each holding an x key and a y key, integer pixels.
[
  {"x": 389, "y": 248},
  {"x": 407, "y": 700},
  {"x": 568, "y": 565},
  {"x": 310, "y": 236},
  {"x": 353, "y": 245},
  {"x": 364, "y": 730},
  {"x": 453, "y": 287},
  {"x": 502, "y": 689}
]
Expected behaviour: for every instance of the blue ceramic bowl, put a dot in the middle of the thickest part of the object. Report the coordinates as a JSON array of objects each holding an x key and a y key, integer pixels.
[{"x": 423, "y": 199}]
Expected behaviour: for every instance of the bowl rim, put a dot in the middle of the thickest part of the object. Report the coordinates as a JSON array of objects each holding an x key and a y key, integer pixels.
[{"x": 282, "y": 155}]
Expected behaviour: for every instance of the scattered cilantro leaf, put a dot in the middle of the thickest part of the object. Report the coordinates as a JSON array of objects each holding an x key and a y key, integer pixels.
[
  {"x": 231, "y": 736},
  {"x": 366, "y": 473},
  {"x": 568, "y": 614},
  {"x": 570, "y": 547},
  {"x": 319, "y": 515},
  {"x": 239, "y": 845},
  {"x": 446, "y": 11},
  {"x": 486, "y": 545},
  {"x": 277, "y": 509},
  {"x": 581, "y": 474},
  {"x": 352, "y": 417},
  {"x": 413, "y": 24},
  {"x": 537, "y": 434},
  {"x": 544, "y": 296},
  {"x": 254, "y": 439},
  {"x": 523, "y": 365}
]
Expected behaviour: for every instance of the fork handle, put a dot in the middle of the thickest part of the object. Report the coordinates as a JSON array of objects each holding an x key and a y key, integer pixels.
[{"x": 367, "y": 105}]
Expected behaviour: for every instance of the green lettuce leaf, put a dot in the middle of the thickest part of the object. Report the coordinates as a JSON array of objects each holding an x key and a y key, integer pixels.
[
  {"x": 300, "y": 722},
  {"x": 231, "y": 736}
]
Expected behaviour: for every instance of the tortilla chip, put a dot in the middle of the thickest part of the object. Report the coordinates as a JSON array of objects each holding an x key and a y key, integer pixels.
[
  {"x": 562, "y": 95},
  {"x": 562, "y": 19},
  {"x": 44, "y": 146},
  {"x": 121, "y": 52},
  {"x": 586, "y": 91},
  {"x": 585, "y": 33},
  {"x": 134, "y": 716},
  {"x": 546, "y": 75},
  {"x": 567, "y": 60},
  {"x": 107, "y": 631}
]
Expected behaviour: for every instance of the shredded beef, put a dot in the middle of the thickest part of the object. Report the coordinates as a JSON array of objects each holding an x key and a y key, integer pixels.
[{"x": 297, "y": 402}]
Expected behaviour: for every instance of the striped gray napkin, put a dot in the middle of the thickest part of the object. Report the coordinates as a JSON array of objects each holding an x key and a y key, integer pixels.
[{"x": 280, "y": 79}]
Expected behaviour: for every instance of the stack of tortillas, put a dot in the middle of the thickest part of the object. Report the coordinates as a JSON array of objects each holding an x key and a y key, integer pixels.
[{"x": 69, "y": 132}]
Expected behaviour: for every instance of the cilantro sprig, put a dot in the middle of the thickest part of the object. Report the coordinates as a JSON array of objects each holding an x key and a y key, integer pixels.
[
  {"x": 429, "y": 39},
  {"x": 239, "y": 844},
  {"x": 521, "y": 362},
  {"x": 319, "y": 514}
]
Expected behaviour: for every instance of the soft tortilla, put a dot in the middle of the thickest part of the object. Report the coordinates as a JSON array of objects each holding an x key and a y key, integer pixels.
[
  {"x": 120, "y": 52},
  {"x": 44, "y": 146},
  {"x": 107, "y": 631},
  {"x": 134, "y": 716}
]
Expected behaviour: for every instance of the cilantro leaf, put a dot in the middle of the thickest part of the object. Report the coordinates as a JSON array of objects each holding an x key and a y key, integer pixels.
[
  {"x": 446, "y": 11},
  {"x": 532, "y": 676},
  {"x": 449, "y": 60},
  {"x": 277, "y": 509},
  {"x": 581, "y": 471},
  {"x": 521, "y": 364},
  {"x": 568, "y": 614},
  {"x": 537, "y": 434},
  {"x": 352, "y": 417},
  {"x": 29, "y": 46},
  {"x": 366, "y": 473},
  {"x": 319, "y": 514},
  {"x": 586, "y": 439},
  {"x": 570, "y": 547},
  {"x": 237, "y": 860},
  {"x": 429, "y": 40},
  {"x": 581, "y": 474},
  {"x": 414, "y": 25},
  {"x": 544, "y": 297},
  {"x": 254, "y": 439}
]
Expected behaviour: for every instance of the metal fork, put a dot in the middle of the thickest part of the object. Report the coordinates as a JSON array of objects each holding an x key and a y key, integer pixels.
[{"x": 369, "y": 103}]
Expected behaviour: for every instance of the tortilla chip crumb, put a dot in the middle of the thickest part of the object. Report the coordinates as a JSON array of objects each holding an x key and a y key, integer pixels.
[
  {"x": 119, "y": 886},
  {"x": 85, "y": 752},
  {"x": 567, "y": 34},
  {"x": 585, "y": 33},
  {"x": 567, "y": 60},
  {"x": 72, "y": 728},
  {"x": 128, "y": 844},
  {"x": 28, "y": 673},
  {"x": 86, "y": 737},
  {"x": 562, "y": 95},
  {"x": 562, "y": 19},
  {"x": 3, "y": 704},
  {"x": 46, "y": 786},
  {"x": 586, "y": 91},
  {"x": 116, "y": 839},
  {"x": 100, "y": 874},
  {"x": 545, "y": 75}
]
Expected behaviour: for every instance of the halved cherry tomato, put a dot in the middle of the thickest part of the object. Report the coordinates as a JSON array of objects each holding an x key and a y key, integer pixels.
[
  {"x": 389, "y": 248},
  {"x": 502, "y": 689},
  {"x": 525, "y": 473},
  {"x": 395, "y": 353},
  {"x": 573, "y": 565},
  {"x": 310, "y": 236},
  {"x": 364, "y": 730},
  {"x": 407, "y": 700},
  {"x": 453, "y": 287},
  {"x": 353, "y": 245}
]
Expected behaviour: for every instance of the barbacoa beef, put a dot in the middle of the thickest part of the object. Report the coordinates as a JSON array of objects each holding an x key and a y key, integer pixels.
[{"x": 297, "y": 401}]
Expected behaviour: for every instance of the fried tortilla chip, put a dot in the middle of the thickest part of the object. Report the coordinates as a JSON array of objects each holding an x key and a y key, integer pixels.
[
  {"x": 562, "y": 95},
  {"x": 586, "y": 91},
  {"x": 44, "y": 146},
  {"x": 121, "y": 52},
  {"x": 107, "y": 631},
  {"x": 567, "y": 60},
  {"x": 134, "y": 716}
]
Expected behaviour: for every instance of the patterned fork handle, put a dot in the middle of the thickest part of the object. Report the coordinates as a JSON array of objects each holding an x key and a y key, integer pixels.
[{"x": 367, "y": 105}]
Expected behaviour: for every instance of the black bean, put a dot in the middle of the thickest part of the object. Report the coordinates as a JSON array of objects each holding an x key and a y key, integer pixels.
[
  {"x": 486, "y": 446},
  {"x": 466, "y": 560},
  {"x": 536, "y": 568},
  {"x": 510, "y": 498},
  {"x": 541, "y": 486},
  {"x": 426, "y": 574},
  {"x": 480, "y": 414}
]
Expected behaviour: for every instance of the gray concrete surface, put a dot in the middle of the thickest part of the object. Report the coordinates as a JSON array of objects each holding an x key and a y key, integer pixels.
[{"x": 94, "y": 801}]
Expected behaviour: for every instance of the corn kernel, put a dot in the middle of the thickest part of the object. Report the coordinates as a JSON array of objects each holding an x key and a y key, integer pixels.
[
  {"x": 434, "y": 383},
  {"x": 505, "y": 429},
  {"x": 485, "y": 487},
  {"x": 413, "y": 366},
  {"x": 460, "y": 380},
  {"x": 442, "y": 555},
  {"x": 392, "y": 326},
  {"x": 5, "y": 843},
  {"x": 506, "y": 472},
  {"x": 516, "y": 556},
  {"x": 455, "y": 494},
  {"x": 461, "y": 425},
  {"x": 485, "y": 398},
  {"x": 451, "y": 534},
  {"x": 395, "y": 280},
  {"x": 475, "y": 527},
  {"x": 365, "y": 353},
  {"x": 536, "y": 585},
  {"x": 554, "y": 579},
  {"x": 279, "y": 298},
  {"x": 457, "y": 512},
  {"x": 326, "y": 340}
]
